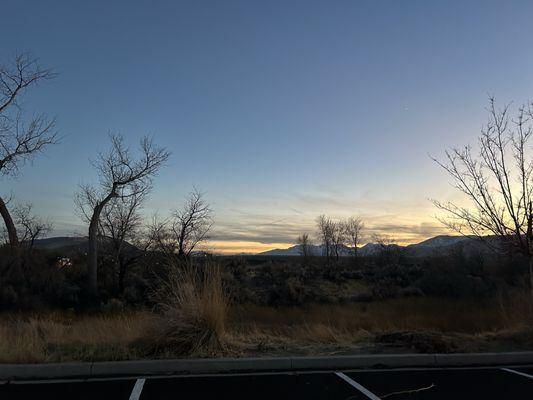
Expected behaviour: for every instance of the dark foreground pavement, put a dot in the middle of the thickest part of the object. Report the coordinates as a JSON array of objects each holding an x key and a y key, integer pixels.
[{"x": 397, "y": 384}]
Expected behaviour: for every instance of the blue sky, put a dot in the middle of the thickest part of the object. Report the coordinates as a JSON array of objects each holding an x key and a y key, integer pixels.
[{"x": 279, "y": 110}]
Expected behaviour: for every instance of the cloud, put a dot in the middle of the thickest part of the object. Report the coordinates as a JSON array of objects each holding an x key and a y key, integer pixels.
[
  {"x": 261, "y": 229},
  {"x": 275, "y": 220},
  {"x": 407, "y": 233},
  {"x": 292, "y": 214}
]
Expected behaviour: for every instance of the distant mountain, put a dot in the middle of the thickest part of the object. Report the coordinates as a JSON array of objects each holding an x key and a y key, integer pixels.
[
  {"x": 372, "y": 249},
  {"x": 433, "y": 246},
  {"x": 440, "y": 241},
  {"x": 69, "y": 244},
  {"x": 318, "y": 250},
  {"x": 441, "y": 244},
  {"x": 445, "y": 244},
  {"x": 62, "y": 242},
  {"x": 292, "y": 251}
]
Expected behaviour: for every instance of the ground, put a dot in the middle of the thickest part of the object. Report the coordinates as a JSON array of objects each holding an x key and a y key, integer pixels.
[{"x": 396, "y": 325}]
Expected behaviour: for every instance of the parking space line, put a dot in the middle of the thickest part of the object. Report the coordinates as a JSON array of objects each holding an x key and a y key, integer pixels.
[
  {"x": 356, "y": 385},
  {"x": 137, "y": 389},
  {"x": 517, "y": 372}
]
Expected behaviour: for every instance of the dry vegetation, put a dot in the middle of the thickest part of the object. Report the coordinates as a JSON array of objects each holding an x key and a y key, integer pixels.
[
  {"x": 405, "y": 324},
  {"x": 193, "y": 309},
  {"x": 193, "y": 323},
  {"x": 63, "y": 337},
  {"x": 389, "y": 300}
]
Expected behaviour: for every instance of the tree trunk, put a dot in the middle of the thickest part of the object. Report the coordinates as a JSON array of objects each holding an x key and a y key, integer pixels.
[
  {"x": 92, "y": 262},
  {"x": 10, "y": 225},
  {"x": 181, "y": 243},
  {"x": 531, "y": 275}
]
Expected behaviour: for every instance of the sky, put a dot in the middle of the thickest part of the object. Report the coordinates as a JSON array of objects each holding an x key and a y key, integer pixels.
[{"x": 278, "y": 110}]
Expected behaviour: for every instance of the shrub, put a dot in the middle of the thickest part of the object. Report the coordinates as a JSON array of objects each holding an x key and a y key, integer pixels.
[
  {"x": 193, "y": 306},
  {"x": 29, "y": 280}
]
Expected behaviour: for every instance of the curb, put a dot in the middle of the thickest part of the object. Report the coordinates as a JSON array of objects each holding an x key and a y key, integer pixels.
[{"x": 117, "y": 369}]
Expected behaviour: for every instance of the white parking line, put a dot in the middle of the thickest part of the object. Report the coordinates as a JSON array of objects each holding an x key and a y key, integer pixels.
[
  {"x": 137, "y": 389},
  {"x": 517, "y": 372},
  {"x": 356, "y": 385}
]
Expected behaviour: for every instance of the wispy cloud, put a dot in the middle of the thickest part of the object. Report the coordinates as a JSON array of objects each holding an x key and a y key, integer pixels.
[
  {"x": 276, "y": 220},
  {"x": 292, "y": 214}
]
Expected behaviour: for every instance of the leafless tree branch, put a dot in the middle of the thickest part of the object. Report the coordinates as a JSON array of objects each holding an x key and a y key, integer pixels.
[
  {"x": 121, "y": 175},
  {"x": 497, "y": 182},
  {"x": 21, "y": 140}
]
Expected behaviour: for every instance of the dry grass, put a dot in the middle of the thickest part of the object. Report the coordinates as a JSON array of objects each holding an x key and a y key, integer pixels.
[
  {"x": 194, "y": 309},
  {"x": 444, "y": 315},
  {"x": 60, "y": 337},
  {"x": 195, "y": 322},
  {"x": 414, "y": 324},
  {"x": 516, "y": 310}
]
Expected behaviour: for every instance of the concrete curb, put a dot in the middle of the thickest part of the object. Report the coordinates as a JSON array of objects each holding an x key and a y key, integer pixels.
[
  {"x": 44, "y": 371},
  {"x": 189, "y": 367},
  {"x": 116, "y": 369}
]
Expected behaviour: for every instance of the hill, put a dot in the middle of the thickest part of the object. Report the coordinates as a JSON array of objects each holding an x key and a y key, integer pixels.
[
  {"x": 69, "y": 244},
  {"x": 436, "y": 245}
]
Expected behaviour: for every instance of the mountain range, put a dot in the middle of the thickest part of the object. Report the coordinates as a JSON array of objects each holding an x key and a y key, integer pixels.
[
  {"x": 68, "y": 244},
  {"x": 436, "y": 245},
  {"x": 441, "y": 244}
]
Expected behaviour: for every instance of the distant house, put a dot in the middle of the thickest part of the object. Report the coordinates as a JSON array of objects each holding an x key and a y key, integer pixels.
[{"x": 64, "y": 262}]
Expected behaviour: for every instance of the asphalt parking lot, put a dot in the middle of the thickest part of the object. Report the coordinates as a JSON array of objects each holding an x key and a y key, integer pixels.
[{"x": 397, "y": 384}]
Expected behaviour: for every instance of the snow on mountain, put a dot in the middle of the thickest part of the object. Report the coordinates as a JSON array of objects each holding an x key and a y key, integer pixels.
[
  {"x": 318, "y": 250},
  {"x": 440, "y": 241},
  {"x": 315, "y": 250},
  {"x": 426, "y": 247}
]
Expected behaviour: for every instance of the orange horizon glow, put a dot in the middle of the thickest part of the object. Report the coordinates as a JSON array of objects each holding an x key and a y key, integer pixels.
[
  {"x": 229, "y": 247},
  {"x": 234, "y": 247},
  {"x": 404, "y": 223}
]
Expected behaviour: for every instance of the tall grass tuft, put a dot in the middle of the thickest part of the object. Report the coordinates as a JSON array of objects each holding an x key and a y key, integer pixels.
[
  {"x": 193, "y": 308},
  {"x": 62, "y": 336},
  {"x": 516, "y": 309}
]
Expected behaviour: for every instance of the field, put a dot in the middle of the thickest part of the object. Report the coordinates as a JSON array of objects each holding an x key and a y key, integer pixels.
[
  {"x": 237, "y": 307},
  {"x": 395, "y": 325}
]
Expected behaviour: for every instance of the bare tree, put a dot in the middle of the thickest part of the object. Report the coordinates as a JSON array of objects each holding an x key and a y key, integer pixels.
[
  {"x": 121, "y": 225},
  {"x": 332, "y": 236},
  {"x": 120, "y": 176},
  {"x": 20, "y": 140},
  {"x": 161, "y": 239},
  {"x": 186, "y": 228},
  {"x": 353, "y": 227},
  {"x": 497, "y": 181},
  {"x": 385, "y": 242},
  {"x": 192, "y": 223},
  {"x": 31, "y": 226},
  {"x": 388, "y": 249},
  {"x": 337, "y": 238},
  {"x": 304, "y": 242},
  {"x": 326, "y": 231}
]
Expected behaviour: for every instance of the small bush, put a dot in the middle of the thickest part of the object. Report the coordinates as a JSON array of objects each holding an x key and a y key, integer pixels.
[
  {"x": 29, "y": 280},
  {"x": 193, "y": 307}
]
